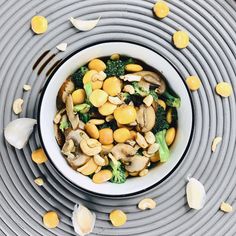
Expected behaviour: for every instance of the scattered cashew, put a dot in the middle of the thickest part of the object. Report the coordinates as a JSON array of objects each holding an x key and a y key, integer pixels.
[
  {"x": 99, "y": 160},
  {"x": 97, "y": 121},
  {"x": 99, "y": 76},
  {"x": 141, "y": 140},
  {"x": 27, "y": 87},
  {"x": 215, "y": 142},
  {"x": 226, "y": 207},
  {"x": 17, "y": 106},
  {"x": 147, "y": 203},
  {"x": 150, "y": 137},
  {"x": 115, "y": 100},
  {"x": 131, "y": 77},
  {"x": 90, "y": 146}
]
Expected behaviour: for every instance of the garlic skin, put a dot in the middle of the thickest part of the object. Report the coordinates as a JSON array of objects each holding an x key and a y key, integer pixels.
[
  {"x": 18, "y": 131},
  {"x": 196, "y": 195},
  {"x": 83, "y": 220},
  {"x": 84, "y": 25}
]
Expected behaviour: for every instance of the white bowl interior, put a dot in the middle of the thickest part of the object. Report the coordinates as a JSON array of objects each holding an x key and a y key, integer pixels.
[{"x": 48, "y": 110}]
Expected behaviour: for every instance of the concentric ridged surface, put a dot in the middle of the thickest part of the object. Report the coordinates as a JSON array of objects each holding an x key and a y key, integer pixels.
[{"x": 210, "y": 55}]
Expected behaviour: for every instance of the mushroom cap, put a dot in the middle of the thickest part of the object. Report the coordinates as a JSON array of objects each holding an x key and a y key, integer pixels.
[
  {"x": 90, "y": 146},
  {"x": 77, "y": 136},
  {"x": 123, "y": 151},
  {"x": 74, "y": 119},
  {"x": 156, "y": 79},
  {"x": 137, "y": 163}
]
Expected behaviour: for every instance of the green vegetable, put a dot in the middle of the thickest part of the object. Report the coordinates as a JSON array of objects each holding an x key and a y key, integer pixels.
[
  {"x": 135, "y": 98},
  {"x": 154, "y": 95},
  {"x": 88, "y": 89},
  {"x": 77, "y": 77},
  {"x": 140, "y": 90},
  {"x": 170, "y": 99},
  {"x": 118, "y": 172},
  {"x": 117, "y": 68},
  {"x": 64, "y": 124},
  {"x": 174, "y": 116},
  {"x": 111, "y": 124},
  {"x": 85, "y": 117},
  {"x": 161, "y": 125},
  {"x": 82, "y": 108}
]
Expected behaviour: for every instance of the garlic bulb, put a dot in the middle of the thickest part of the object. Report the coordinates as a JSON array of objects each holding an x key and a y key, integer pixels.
[
  {"x": 83, "y": 220},
  {"x": 196, "y": 195},
  {"x": 84, "y": 25},
  {"x": 18, "y": 131}
]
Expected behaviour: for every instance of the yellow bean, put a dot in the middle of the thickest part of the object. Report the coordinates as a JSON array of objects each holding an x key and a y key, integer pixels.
[
  {"x": 102, "y": 176},
  {"x": 112, "y": 86},
  {"x": 181, "y": 39},
  {"x": 118, "y": 218},
  {"x": 107, "y": 109},
  {"x": 170, "y": 136},
  {"x": 51, "y": 219},
  {"x": 97, "y": 64},
  {"x": 224, "y": 89},
  {"x": 115, "y": 57},
  {"x": 106, "y": 136},
  {"x": 89, "y": 168},
  {"x": 161, "y": 9},
  {"x": 39, "y": 156},
  {"x": 155, "y": 157},
  {"x": 193, "y": 82},
  {"x": 133, "y": 68},
  {"x": 78, "y": 96},
  {"x": 39, "y": 24},
  {"x": 121, "y": 135},
  {"x": 98, "y": 97},
  {"x": 161, "y": 103},
  {"x": 92, "y": 130},
  {"x": 125, "y": 114},
  {"x": 169, "y": 116}
]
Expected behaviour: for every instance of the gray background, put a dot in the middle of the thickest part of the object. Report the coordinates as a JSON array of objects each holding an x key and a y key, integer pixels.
[{"x": 210, "y": 55}]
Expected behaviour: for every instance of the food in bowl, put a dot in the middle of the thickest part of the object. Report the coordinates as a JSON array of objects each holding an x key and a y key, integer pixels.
[{"x": 116, "y": 118}]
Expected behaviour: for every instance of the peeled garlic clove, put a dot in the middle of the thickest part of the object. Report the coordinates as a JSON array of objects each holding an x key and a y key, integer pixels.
[
  {"x": 84, "y": 25},
  {"x": 18, "y": 131},
  {"x": 196, "y": 195},
  {"x": 62, "y": 47},
  {"x": 83, "y": 220}
]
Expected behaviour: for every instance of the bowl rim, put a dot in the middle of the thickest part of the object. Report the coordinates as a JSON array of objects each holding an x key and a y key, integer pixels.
[{"x": 144, "y": 190}]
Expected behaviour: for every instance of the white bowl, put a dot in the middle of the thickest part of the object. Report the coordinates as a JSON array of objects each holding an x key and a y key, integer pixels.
[{"x": 48, "y": 110}]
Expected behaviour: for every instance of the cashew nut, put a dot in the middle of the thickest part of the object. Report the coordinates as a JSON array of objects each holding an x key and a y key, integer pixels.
[
  {"x": 129, "y": 89},
  {"x": 148, "y": 100},
  {"x": 226, "y": 207},
  {"x": 115, "y": 100},
  {"x": 141, "y": 141},
  {"x": 150, "y": 137},
  {"x": 147, "y": 203},
  {"x": 17, "y": 106},
  {"x": 130, "y": 142},
  {"x": 90, "y": 146},
  {"x": 153, "y": 148},
  {"x": 146, "y": 118},
  {"x": 215, "y": 142},
  {"x": 109, "y": 118},
  {"x": 131, "y": 77},
  {"x": 143, "y": 172},
  {"x": 99, "y": 76},
  {"x": 27, "y": 87},
  {"x": 97, "y": 121}
]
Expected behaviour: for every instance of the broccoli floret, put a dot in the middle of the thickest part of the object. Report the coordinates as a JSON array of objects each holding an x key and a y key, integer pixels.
[
  {"x": 111, "y": 124},
  {"x": 77, "y": 77},
  {"x": 88, "y": 89},
  {"x": 159, "y": 130},
  {"x": 82, "y": 108},
  {"x": 154, "y": 95},
  {"x": 64, "y": 124},
  {"x": 135, "y": 98},
  {"x": 171, "y": 100},
  {"x": 118, "y": 172},
  {"x": 139, "y": 90},
  {"x": 174, "y": 116},
  {"x": 117, "y": 68},
  {"x": 85, "y": 117}
]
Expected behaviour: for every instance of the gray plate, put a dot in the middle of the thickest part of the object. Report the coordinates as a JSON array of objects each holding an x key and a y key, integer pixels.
[{"x": 211, "y": 56}]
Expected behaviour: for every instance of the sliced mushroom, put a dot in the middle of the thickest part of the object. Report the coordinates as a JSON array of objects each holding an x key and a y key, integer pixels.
[
  {"x": 123, "y": 151},
  {"x": 68, "y": 147},
  {"x": 90, "y": 146},
  {"x": 73, "y": 118},
  {"x": 77, "y": 136},
  {"x": 67, "y": 88},
  {"x": 59, "y": 135},
  {"x": 155, "y": 79},
  {"x": 78, "y": 160},
  {"x": 145, "y": 118},
  {"x": 137, "y": 163},
  {"x": 58, "y": 116}
]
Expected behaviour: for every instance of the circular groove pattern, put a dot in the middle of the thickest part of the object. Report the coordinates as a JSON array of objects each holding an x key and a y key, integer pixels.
[{"x": 210, "y": 55}]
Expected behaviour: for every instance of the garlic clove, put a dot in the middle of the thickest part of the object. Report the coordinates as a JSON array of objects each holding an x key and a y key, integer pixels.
[
  {"x": 83, "y": 220},
  {"x": 84, "y": 25},
  {"x": 18, "y": 131},
  {"x": 196, "y": 195},
  {"x": 62, "y": 47}
]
